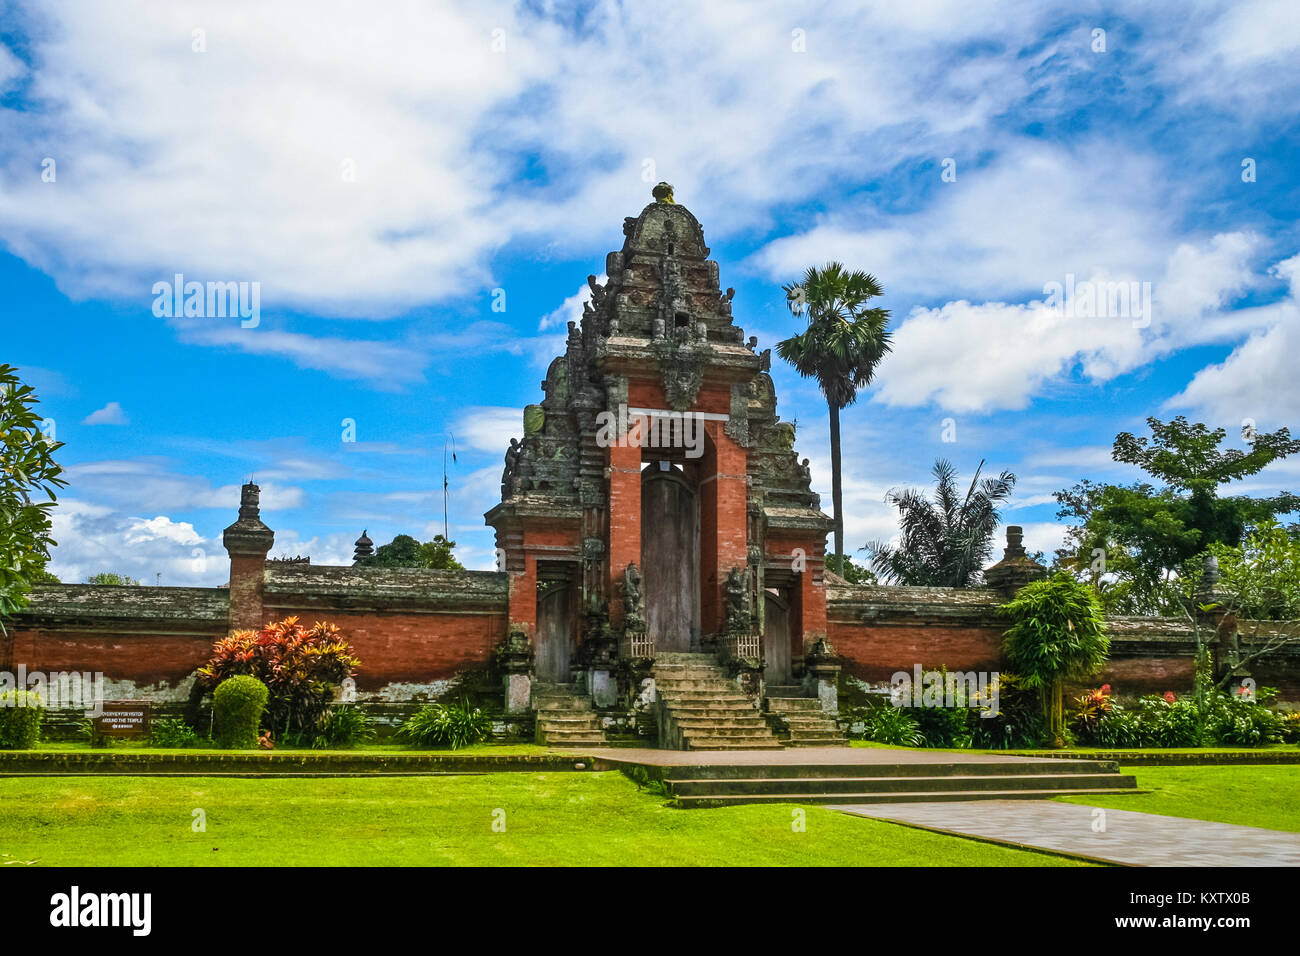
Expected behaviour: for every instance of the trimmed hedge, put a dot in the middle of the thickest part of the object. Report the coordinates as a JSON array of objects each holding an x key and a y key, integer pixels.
[
  {"x": 20, "y": 719},
  {"x": 237, "y": 707}
]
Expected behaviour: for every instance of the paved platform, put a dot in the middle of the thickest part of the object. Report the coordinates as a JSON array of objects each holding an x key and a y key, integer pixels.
[
  {"x": 795, "y": 756},
  {"x": 1129, "y": 838}
]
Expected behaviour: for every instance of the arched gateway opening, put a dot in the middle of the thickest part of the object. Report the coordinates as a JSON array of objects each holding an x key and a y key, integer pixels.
[{"x": 670, "y": 556}]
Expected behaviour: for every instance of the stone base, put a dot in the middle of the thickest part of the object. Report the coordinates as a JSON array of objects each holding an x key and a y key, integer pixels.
[{"x": 519, "y": 693}]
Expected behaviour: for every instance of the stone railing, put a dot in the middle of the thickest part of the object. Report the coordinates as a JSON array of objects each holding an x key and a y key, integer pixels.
[{"x": 636, "y": 644}]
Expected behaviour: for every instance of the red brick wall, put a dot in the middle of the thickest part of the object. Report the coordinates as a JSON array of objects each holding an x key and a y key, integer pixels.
[
  {"x": 130, "y": 655},
  {"x": 413, "y": 648},
  {"x": 875, "y": 652}
]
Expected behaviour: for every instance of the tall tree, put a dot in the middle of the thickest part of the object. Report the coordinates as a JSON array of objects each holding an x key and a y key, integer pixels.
[
  {"x": 1133, "y": 540},
  {"x": 405, "y": 552},
  {"x": 945, "y": 542},
  {"x": 28, "y": 473},
  {"x": 841, "y": 347}
]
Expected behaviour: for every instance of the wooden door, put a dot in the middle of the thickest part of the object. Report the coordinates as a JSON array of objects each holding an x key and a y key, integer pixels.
[{"x": 670, "y": 561}]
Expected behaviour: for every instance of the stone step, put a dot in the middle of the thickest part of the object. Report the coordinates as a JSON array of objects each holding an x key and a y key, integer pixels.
[
  {"x": 782, "y": 705},
  {"x": 740, "y": 706},
  {"x": 858, "y": 785},
  {"x": 924, "y": 797},
  {"x": 693, "y": 696},
  {"x": 725, "y": 743},
  {"x": 712, "y": 686},
  {"x": 724, "y": 729},
  {"x": 695, "y": 723},
  {"x": 841, "y": 741},
  {"x": 992, "y": 768},
  {"x": 564, "y": 719}
]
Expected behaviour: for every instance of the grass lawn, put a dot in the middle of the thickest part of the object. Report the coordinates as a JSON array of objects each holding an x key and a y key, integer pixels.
[
  {"x": 484, "y": 749},
  {"x": 550, "y": 819},
  {"x": 1253, "y": 796}
]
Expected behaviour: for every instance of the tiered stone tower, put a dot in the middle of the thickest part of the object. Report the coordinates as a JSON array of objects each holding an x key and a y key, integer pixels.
[{"x": 656, "y": 505}]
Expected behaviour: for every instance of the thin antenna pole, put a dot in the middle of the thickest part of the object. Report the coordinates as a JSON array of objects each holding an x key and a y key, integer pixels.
[{"x": 446, "y": 533}]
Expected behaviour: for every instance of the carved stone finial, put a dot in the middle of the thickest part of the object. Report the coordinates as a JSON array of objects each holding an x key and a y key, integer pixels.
[{"x": 663, "y": 192}]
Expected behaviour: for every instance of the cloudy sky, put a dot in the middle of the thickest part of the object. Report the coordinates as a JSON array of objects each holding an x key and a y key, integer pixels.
[{"x": 387, "y": 173}]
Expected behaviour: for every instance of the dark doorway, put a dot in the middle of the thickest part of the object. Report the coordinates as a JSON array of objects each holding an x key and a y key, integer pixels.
[
  {"x": 776, "y": 639},
  {"x": 670, "y": 557},
  {"x": 556, "y": 630}
]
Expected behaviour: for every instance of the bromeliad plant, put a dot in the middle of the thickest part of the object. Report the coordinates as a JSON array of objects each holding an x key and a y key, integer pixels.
[
  {"x": 301, "y": 666},
  {"x": 1057, "y": 634}
]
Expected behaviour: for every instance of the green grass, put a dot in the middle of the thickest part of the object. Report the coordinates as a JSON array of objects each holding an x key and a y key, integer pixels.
[
  {"x": 550, "y": 819},
  {"x": 484, "y": 749},
  {"x": 1252, "y": 796}
]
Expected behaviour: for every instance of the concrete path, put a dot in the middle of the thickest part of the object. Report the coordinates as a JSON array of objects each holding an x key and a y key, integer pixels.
[
  {"x": 1113, "y": 836},
  {"x": 801, "y": 756}
]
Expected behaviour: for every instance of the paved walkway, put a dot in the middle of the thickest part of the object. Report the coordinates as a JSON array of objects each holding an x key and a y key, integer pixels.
[
  {"x": 800, "y": 756},
  {"x": 1129, "y": 838}
]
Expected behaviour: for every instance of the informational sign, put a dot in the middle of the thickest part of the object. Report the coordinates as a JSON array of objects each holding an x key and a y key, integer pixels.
[{"x": 123, "y": 718}]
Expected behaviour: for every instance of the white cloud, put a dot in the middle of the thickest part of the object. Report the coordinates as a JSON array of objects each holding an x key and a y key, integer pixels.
[
  {"x": 110, "y": 414},
  {"x": 489, "y": 429},
  {"x": 570, "y": 310},
  {"x": 384, "y": 365},
  {"x": 1256, "y": 382},
  {"x": 124, "y": 483}
]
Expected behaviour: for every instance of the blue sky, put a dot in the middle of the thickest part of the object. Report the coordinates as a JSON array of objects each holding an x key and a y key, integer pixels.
[{"x": 380, "y": 172}]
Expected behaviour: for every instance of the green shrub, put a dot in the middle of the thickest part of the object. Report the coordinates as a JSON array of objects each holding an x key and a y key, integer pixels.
[
  {"x": 343, "y": 726},
  {"x": 1019, "y": 723},
  {"x": 1235, "y": 721},
  {"x": 445, "y": 725},
  {"x": 1119, "y": 728},
  {"x": 172, "y": 732},
  {"x": 237, "y": 707},
  {"x": 894, "y": 726},
  {"x": 1291, "y": 727},
  {"x": 20, "y": 719},
  {"x": 1169, "y": 723}
]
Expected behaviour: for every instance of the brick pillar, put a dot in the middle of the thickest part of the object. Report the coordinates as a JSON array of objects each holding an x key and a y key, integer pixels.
[
  {"x": 247, "y": 542},
  {"x": 624, "y": 522},
  {"x": 723, "y": 522}
]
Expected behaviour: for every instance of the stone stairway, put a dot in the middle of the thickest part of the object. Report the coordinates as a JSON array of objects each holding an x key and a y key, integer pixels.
[
  {"x": 799, "y": 721},
  {"x": 564, "y": 718},
  {"x": 701, "y": 708},
  {"x": 727, "y": 785}
]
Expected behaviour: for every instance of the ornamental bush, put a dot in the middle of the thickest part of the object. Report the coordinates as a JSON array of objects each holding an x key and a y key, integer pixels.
[
  {"x": 237, "y": 707},
  {"x": 302, "y": 668},
  {"x": 446, "y": 725},
  {"x": 20, "y": 719}
]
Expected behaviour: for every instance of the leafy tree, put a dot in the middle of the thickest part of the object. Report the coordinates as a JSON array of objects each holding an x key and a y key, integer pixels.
[
  {"x": 845, "y": 568},
  {"x": 945, "y": 542},
  {"x": 406, "y": 552},
  {"x": 1262, "y": 573},
  {"x": 1131, "y": 541},
  {"x": 110, "y": 577},
  {"x": 1057, "y": 634},
  {"x": 27, "y": 469},
  {"x": 841, "y": 347}
]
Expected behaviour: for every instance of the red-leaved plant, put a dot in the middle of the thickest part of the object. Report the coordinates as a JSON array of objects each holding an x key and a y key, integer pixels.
[{"x": 300, "y": 666}]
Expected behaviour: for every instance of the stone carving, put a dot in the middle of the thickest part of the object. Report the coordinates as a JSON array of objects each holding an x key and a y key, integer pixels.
[
  {"x": 511, "y": 470},
  {"x": 633, "y": 601},
  {"x": 740, "y": 616}
]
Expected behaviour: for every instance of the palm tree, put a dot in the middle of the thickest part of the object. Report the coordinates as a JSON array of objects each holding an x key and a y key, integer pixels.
[
  {"x": 945, "y": 542},
  {"x": 841, "y": 347}
]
